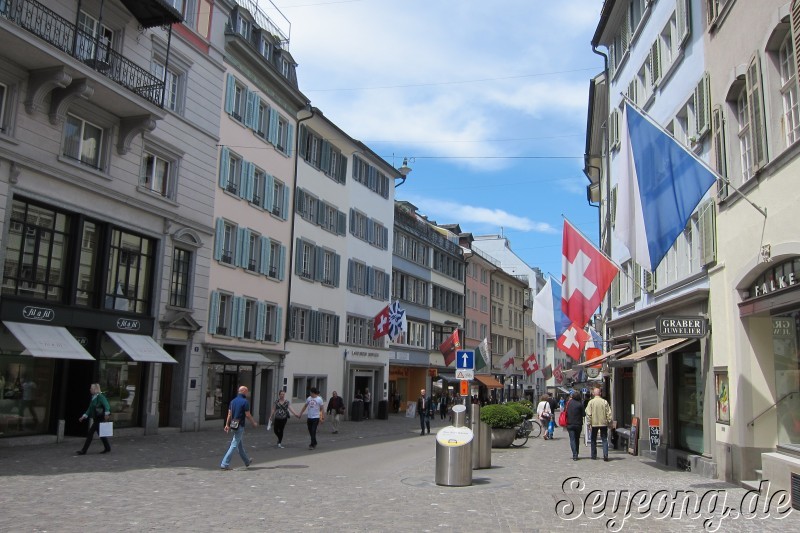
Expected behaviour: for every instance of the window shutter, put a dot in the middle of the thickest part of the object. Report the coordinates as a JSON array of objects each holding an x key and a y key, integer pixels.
[
  {"x": 352, "y": 221},
  {"x": 263, "y": 266},
  {"x": 213, "y": 315},
  {"x": 285, "y": 207},
  {"x": 319, "y": 216},
  {"x": 261, "y": 317},
  {"x": 313, "y": 332},
  {"x": 319, "y": 256},
  {"x": 269, "y": 186},
  {"x": 240, "y": 308},
  {"x": 303, "y": 139},
  {"x": 224, "y": 160},
  {"x": 633, "y": 92},
  {"x": 615, "y": 291},
  {"x": 237, "y": 248},
  {"x": 299, "y": 200},
  {"x": 250, "y": 110},
  {"x": 612, "y": 61},
  {"x": 613, "y": 129},
  {"x": 385, "y": 238},
  {"x": 370, "y": 281},
  {"x": 638, "y": 273},
  {"x": 649, "y": 282},
  {"x": 248, "y": 177},
  {"x": 701, "y": 107},
  {"x": 755, "y": 104},
  {"x": 272, "y": 134},
  {"x": 655, "y": 62},
  {"x": 325, "y": 157},
  {"x": 794, "y": 20},
  {"x": 720, "y": 152},
  {"x": 341, "y": 226},
  {"x": 351, "y": 275},
  {"x": 219, "y": 239},
  {"x": 370, "y": 231},
  {"x": 278, "y": 323},
  {"x": 281, "y": 263},
  {"x": 289, "y": 138},
  {"x": 613, "y": 207},
  {"x": 342, "y": 170},
  {"x": 335, "y": 268},
  {"x": 684, "y": 20},
  {"x": 336, "y": 322},
  {"x": 707, "y": 225},
  {"x": 298, "y": 257},
  {"x": 230, "y": 90},
  {"x": 386, "y": 281}
]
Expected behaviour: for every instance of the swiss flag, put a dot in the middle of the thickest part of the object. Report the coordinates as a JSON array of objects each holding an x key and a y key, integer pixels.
[
  {"x": 530, "y": 365},
  {"x": 572, "y": 341},
  {"x": 381, "y": 324},
  {"x": 586, "y": 275},
  {"x": 449, "y": 348}
]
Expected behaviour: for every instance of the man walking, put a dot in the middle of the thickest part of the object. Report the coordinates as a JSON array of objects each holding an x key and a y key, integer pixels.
[
  {"x": 238, "y": 412},
  {"x": 598, "y": 416},
  {"x": 425, "y": 411},
  {"x": 315, "y": 415}
]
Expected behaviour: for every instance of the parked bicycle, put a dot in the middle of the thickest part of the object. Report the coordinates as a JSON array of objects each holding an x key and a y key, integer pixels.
[{"x": 527, "y": 428}]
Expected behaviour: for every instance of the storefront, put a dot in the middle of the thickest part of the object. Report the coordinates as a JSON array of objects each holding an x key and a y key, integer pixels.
[
  {"x": 366, "y": 369},
  {"x": 409, "y": 372}
]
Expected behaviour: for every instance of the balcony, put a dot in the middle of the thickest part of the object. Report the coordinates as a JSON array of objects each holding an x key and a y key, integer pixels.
[{"x": 89, "y": 50}]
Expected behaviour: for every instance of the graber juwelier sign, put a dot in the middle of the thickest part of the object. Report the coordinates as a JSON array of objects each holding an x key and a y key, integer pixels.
[{"x": 690, "y": 327}]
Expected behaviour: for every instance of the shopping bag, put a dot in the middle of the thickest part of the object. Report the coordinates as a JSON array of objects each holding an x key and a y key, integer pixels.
[
  {"x": 106, "y": 429},
  {"x": 269, "y": 424}
]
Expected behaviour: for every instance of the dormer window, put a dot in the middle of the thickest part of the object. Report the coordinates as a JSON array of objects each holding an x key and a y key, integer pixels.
[
  {"x": 264, "y": 47},
  {"x": 245, "y": 27}
]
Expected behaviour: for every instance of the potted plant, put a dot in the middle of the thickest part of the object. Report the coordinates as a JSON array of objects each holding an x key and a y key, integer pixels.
[
  {"x": 503, "y": 420},
  {"x": 523, "y": 408}
]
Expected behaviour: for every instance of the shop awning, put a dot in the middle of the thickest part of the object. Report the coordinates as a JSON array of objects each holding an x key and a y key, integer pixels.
[
  {"x": 48, "y": 341},
  {"x": 489, "y": 381},
  {"x": 243, "y": 357},
  {"x": 655, "y": 350},
  {"x": 141, "y": 348},
  {"x": 602, "y": 358}
]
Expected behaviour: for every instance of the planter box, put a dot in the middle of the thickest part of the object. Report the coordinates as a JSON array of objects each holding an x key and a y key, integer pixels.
[{"x": 503, "y": 437}]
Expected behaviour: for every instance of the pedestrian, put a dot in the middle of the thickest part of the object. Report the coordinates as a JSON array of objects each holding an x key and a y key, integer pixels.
[
  {"x": 238, "y": 413},
  {"x": 545, "y": 415},
  {"x": 598, "y": 416},
  {"x": 336, "y": 407},
  {"x": 575, "y": 414},
  {"x": 281, "y": 410},
  {"x": 561, "y": 404},
  {"x": 367, "y": 403},
  {"x": 425, "y": 411},
  {"x": 443, "y": 407},
  {"x": 315, "y": 415},
  {"x": 98, "y": 411},
  {"x": 553, "y": 406}
]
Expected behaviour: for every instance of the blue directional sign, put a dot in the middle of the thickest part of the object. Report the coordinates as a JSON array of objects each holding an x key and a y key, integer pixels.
[{"x": 465, "y": 359}]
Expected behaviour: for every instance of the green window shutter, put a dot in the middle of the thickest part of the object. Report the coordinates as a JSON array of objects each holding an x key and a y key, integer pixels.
[
  {"x": 370, "y": 281},
  {"x": 615, "y": 291},
  {"x": 351, "y": 275},
  {"x": 218, "y": 239},
  {"x": 313, "y": 333},
  {"x": 341, "y": 226},
  {"x": 224, "y": 160},
  {"x": 649, "y": 282},
  {"x": 613, "y": 206},
  {"x": 278, "y": 323},
  {"x": 302, "y": 136},
  {"x": 655, "y": 62},
  {"x": 707, "y": 224},
  {"x": 261, "y": 317},
  {"x": 720, "y": 151},
  {"x": 683, "y": 15},
  {"x": 755, "y": 103},
  {"x": 299, "y": 201},
  {"x": 336, "y": 322},
  {"x": 701, "y": 107},
  {"x": 230, "y": 90},
  {"x": 319, "y": 255},
  {"x": 281, "y": 262},
  {"x": 298, "y": 257},
  {"x": 213, "y": 313}
]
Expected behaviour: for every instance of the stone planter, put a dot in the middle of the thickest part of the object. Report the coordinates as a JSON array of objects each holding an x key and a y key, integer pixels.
[{"x": 503, "y": 437}]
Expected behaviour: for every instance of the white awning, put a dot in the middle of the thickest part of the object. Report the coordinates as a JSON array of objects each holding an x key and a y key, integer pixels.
[
  {"x": 141, "y": 348},
  {"x": 48, "y": 341},
  {"x": 243, "y": 357}
]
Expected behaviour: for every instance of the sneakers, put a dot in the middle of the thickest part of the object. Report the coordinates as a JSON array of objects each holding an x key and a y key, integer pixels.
[
  {"x": 280, "y": 445},
  {"x": 248, "y": 464},
  {"x": 311, "y": 447},
  {"x": 225, "y": 468}
]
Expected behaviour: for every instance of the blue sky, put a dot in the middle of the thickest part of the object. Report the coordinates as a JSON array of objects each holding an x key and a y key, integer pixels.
[{"x": 488, "y": 101}]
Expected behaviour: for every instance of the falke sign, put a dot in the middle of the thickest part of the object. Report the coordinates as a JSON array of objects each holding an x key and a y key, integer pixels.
[
  {"x": 690, "y": 327},
  {"x": 128, "y": 324}
]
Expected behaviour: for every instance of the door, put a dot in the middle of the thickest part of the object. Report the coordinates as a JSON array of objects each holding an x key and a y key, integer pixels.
[
  {"x": 74, "y": 394},
  {"x": 165, "y": 394}
]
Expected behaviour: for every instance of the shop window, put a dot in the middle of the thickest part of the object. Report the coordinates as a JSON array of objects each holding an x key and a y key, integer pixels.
[
  {"x": 121, "y": 382},
  {"x": 302, "y": 386},
  {"x": 25, "y": 387},
  {"x": 785, "y": 330},
  {"x": 688, "y": 397},
  {"x": 222, "y": 383}
]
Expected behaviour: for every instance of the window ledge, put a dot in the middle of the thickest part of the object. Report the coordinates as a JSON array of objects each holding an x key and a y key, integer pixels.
[
  {"x": 85, "y": 168},
  {"x": 188, "y": 310},
  {"x": 5, "y": 137},
  {"x": 157, "y": 196},
  {"x": 227, "y": 265}
]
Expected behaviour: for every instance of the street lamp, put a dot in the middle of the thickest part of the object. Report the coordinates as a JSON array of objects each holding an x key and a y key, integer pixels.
[{"x": 404, "y": 171}]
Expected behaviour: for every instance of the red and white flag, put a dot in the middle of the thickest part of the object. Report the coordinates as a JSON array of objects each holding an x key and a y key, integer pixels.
[
  {"x": 586, "y": 276},
  {"x": 507, "y": 362},
  {"x": 572, "y": 341},
  {"x": 381, "y": 324},
  {"x": 449, "y": 348},
  {"x": 530, "y": 365},
  {"x": 558, "y": 375}
]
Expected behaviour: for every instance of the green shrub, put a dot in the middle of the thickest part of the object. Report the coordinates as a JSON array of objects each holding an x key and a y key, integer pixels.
[
  {"x": 499, "y": 416},
  {"x": 521, "y": 408}
]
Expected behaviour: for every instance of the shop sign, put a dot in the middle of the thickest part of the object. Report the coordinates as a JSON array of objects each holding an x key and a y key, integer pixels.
[
  {"x": 779, "y": 277},
  {"x": 655, "y": 432},
  {"x": 364, "y": 353},
  {"x": 41, "y": 314},
  {"x": 690, "y": 327},
  {"x": 128, "y": 324}
]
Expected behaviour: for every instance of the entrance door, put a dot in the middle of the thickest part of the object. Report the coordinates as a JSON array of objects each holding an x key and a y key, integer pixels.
[
  {"x": 230, "y": 388},
  {"x": 165, "y": 394},
  {"x": 362, "y": 384},
  {"x": 73, "y": 395}
]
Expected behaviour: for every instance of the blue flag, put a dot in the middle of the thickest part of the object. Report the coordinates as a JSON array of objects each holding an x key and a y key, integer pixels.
[{"x": 661, "y": 184}]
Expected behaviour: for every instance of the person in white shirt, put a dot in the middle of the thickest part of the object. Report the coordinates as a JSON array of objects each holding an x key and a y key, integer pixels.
[{"x": 315, "y": 415}]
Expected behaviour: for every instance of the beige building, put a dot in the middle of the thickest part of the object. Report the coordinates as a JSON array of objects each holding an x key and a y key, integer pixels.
[{"x": 507, "y": 300}]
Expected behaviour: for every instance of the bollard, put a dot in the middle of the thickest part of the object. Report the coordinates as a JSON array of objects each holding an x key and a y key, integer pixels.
[
  {"x": 485, "y": 446},
  {"x": 454, "y": 452},
  {"x": 475, "y": 425}
]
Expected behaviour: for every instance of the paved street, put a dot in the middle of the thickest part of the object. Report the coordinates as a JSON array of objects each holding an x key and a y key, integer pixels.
[{"x": 375, "y": 475}]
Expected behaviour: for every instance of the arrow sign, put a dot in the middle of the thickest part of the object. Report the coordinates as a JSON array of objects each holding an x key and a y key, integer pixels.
[{"x": 465, "y": 359}]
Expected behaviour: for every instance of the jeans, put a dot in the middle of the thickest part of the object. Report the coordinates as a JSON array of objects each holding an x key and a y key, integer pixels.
[
  {"x": 424, "y": 421},
  {"x": 236, "y": 444},
  {"x": 312, "y": 424},
  {"x": 277, "y": 428},
  {"x": 574, "y": 439},
  {"x": 604, "y": 436}
]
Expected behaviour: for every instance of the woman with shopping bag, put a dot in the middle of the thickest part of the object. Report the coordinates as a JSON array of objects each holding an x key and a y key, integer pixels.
[{"x": 98, "y": 412}]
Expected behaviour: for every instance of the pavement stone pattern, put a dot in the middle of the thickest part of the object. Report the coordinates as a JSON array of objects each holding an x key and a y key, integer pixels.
[{"x": 375, "y": 475}]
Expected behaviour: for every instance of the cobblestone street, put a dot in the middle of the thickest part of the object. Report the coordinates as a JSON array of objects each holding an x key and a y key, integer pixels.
[{"x": 375, "y": 475}]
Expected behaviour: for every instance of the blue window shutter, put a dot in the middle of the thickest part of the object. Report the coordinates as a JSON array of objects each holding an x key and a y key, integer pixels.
[
  {"x": 219, "y": 237},
  {"x": 263, "y": 267},
  {"x": 272, "y": 135},
  {"x": 261, "y": 316},
  {"x": 213, "y": 314},
  {"x": 299, "y": 198},
  {"x": 352, "y": 221},
  {"x": 351, "y": 275},
  {"x": 278, "y": 323},
  {"x": 237, "y": 250},
  {"x": 320, "y": 214},
  {"x": 386, "y": 286},
  {"x": 343, "y": 171},
  {"x": 371, "y": 281},
  {"x": 245, "y": 248},
  {"x": 224, "y": 159},
  {"x": 285, "y": 207},
  {"x": 320, "y": 258},
  {"x": 268, "y": 187},
  {"x": 298, "y": 256},
  {"x": 250, "y": 110},
  {"x": 370, "y": 231},
  {"x": 336, "y": 260},
  {"x": 230, "y": 88},
  {"x": 289, "y": 139},
  {"x": 281, "y": 263},
  {"x": 237, "y": 320},
  {"x": 248, "y": 177},
  {"x": 341, "y": 226},
  {"x": 336, "y": 329},
  {"x": 314, "y": 330},
  {"x": 325, "y": 157}
]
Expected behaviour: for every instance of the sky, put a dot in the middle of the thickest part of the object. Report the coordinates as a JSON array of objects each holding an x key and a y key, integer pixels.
[{"x": 487, "y": 100}]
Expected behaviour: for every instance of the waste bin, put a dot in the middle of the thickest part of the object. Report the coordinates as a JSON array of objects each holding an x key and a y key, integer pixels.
[
  {"x": 357, "y": 411},
  {"x": 454, "y": 452},
  {"x": 383, "y": 410}
]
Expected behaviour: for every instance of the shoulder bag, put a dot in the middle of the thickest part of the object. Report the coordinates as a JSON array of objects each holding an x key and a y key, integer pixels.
[{"x": 562, "y": 418}]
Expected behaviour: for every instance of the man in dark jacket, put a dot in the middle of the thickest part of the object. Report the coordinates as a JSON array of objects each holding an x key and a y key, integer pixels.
[
  {"x": 425, "y": 411},
  {"x": 575, "y": 414}
]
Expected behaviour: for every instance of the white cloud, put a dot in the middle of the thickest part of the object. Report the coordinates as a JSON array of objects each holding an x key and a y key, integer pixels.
[{"x": 482, "y": 218}]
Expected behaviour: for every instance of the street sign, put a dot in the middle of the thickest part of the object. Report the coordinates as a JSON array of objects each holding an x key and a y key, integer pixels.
[
  {"x": 464, "y": 388},
  {"x": 465, "y": 374},
  {"x": 465, "y": 359}
]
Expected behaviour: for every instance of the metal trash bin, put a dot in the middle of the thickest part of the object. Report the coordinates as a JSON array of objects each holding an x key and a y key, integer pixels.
[
  {"x": 454, "y": 452},
  {"x": 383, "y": 410},
  {"x": 357, "y": 411}
]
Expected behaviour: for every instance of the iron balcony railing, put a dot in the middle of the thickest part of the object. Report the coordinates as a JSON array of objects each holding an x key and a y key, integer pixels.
[{"x": 93, "y": 50}]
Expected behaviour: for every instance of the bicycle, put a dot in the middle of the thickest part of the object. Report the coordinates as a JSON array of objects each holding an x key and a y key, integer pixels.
[{"x": 527, "y": 428}]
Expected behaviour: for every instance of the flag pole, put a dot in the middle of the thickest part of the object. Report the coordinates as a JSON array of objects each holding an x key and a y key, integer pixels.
[{"x": 708, "y": 167}]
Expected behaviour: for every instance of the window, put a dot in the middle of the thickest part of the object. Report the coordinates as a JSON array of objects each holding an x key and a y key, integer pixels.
[
  {"x": 359, "y": 331},
  {"x": 357, "y": 274},
  {"x": 253, "y": 252},
  {"x": 380, "y": 290},
  {"x": 187, "y": 9},
  {"x": 305, "y": 259},
  {"x": 249, "y": 319},
  {"x": 130, "y": 264},
  {"x": 181, "y": 278},
  {"x": 282, "y": 143},
  {"x": 329, "y": 267},
  {"x": 745, "y": 143},
  {"x": 172, "y": 85},
  {"x": 221, "y": 311},
  {"x": 302, "y": 385},
  {"x": 156, "y": 174},
  {"x": 280, "y": 199},
  {"x": 417, "y": 335},
  {"x": 83, "y": 141},
  {"x": 3, "y": 113},
  {"x": 235, "y": 98},
  {"x": 277, "y": 254},
  {"x": 259, "y": 187},
  {"x": 268, "y": 327},
  {"x": 225, "y": 241},
  {"x": 788, "y": 71},
  {"x": 94, "y": 41},
  {"x": 370, "y": 177},
  {"x": 300, "y": 326},
  {"x": 244, "y": 27},
  {"x": 261, "y": 119},
  {"x": 233, "y": 174},
  {"x": 358, "y": 224}
]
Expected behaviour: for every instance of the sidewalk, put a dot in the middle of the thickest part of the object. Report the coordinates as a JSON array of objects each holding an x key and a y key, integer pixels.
[{"x": 376, "y": 475}]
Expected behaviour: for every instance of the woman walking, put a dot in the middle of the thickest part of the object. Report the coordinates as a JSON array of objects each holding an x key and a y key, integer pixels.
[
  {"x": 575, "y": 414},
  {"x": 545, "y": 415},
  {"x": 281, "y": 410},
  {"x": 98, "y": 411},
  {"x": 336, "y": 407}
]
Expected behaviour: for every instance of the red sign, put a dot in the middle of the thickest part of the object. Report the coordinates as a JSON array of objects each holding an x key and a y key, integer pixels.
[{"x": 464, "y": 387}]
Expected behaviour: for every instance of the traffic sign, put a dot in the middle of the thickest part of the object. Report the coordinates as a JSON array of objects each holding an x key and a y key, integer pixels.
[
  {"x": 465, "y": 374},
  {"x": 465, "y": 359},
  {"x": 464, "y": 388}
]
